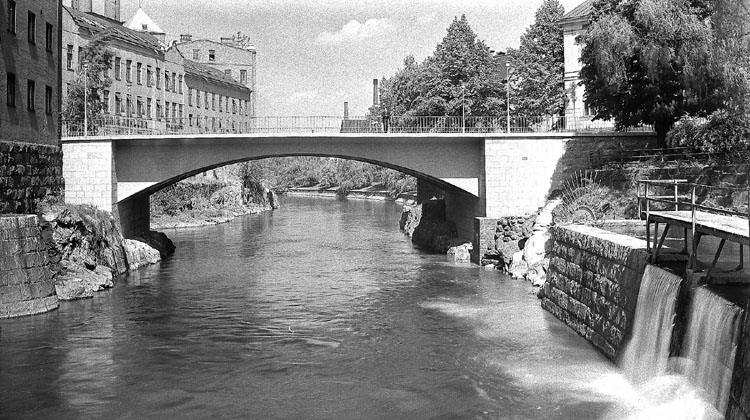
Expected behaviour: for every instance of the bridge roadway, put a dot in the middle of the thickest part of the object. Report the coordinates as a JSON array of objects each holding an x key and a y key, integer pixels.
[{"x": 484, "y": 175}]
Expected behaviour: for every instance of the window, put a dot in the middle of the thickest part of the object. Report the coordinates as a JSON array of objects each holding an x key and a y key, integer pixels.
[
  {"x": 243, "y": 76},
  {"x": 166, "y": 109},
  {"x": 174, "y": 111},
  {"x": 148, "y": 108},
  {"x": 190, "y": 97},
  {"x": 31, "y": 28},
  {"x": 11, "y": 89},
  {"x": 205, "y": 99},
  {"x": 118, "y": 103},
  {"x": 48, "y": 100},
  {"x": 158, "y": 78},
  {"x": 211, "y": 55},
  {"x": 158, "y": 109},
  {"x": 11, "y": 16},
  {"x": 234, "y": 106},
  {"x": 166, "y": 80},
  {"x": 196, "y": 54},
  {"x": 129, "y": 104},
  {"x": 174, "y": 82},
  {"x": 105, "y": 101},
  {"x": 128, "y": 67},
  {"x": 69, "y": 58},
  {"x": 228, "y": 72},
  {"x": 49, "y": 37},
  {"x": 220, "y": 102},
  {"x": 106, "y": 70},
  {"x": 190, "y": 119},
  {"x": 30, "y": 95},
  {"x": 181, "y": 109},
  {"x": 198, "y": 98},
  {"x": 213, "y": 102},
  {"x": 149, "y": 76},
  {"x": 117, "y": 68},
  {"x": 138, "y": 70},
  {"x": 139, "y": 106},
  {"x": 180, "y": 84}
]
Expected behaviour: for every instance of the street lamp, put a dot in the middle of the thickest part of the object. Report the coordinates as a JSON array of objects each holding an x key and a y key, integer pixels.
[
  {"x": 507, "y": 94},
  {"x": 85, "y": 99}
]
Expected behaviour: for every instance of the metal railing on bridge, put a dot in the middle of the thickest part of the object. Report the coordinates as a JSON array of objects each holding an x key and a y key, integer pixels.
[{"x": 110, "y": 125}]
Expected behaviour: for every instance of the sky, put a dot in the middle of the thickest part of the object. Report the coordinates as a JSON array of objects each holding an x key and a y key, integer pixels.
[{"x": 314, "y": 55}]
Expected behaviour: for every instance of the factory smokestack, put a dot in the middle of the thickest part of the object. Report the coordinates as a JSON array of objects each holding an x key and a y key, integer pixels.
[
  {"x": 375, "y": 93},
  {"x": 346, "y": 110}
]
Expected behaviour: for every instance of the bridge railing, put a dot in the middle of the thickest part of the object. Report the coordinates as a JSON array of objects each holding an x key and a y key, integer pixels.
[{"x": 121, "y": 125}]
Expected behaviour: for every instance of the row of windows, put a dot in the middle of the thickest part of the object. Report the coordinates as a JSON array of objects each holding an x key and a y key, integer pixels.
[
  {"x": 223, "y": 124},
  {"x": 237, "y": 105},
  {"x": 30, "y": 26},
  {"x": 12, "y": 90},
  {"x": 141, "y": 110},
  {"x": 172, "y": 81}
]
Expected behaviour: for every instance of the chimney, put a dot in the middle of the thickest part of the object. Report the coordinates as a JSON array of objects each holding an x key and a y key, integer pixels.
[
  {"x": 346, "y": 110},
  {"x": 228, "y": 41},
  {"x": 82, "y": 5},
  {"x": 112, "y": 9},
  {"x": 186, "y": 37},
  {"x": 375, "y": 93}
]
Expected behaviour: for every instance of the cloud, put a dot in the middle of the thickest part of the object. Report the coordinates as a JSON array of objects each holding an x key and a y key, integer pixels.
[
  {"x": 426, "y": 19},
  {"x": 354, "y": 31}
]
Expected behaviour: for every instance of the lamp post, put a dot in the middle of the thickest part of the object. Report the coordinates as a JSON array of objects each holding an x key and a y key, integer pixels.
[
  {"x": 463, "y": 108},
  {"x": 507, "y": 95},
  {"x": 85, "y": 99}
]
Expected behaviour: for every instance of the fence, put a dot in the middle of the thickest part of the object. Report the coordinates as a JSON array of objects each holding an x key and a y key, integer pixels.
[{"x": 122, "y": 125}]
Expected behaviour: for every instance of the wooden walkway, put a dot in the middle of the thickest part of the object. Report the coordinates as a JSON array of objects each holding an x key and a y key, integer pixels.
[{"x": 695, "y": 220}]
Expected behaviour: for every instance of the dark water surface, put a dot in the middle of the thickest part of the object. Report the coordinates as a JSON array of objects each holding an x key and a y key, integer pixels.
[{"x": 319, "y": 310}]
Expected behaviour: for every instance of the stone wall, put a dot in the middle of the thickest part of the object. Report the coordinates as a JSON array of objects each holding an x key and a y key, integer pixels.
[
  {"x": 494, "y": 237},
  {"x": 28, "y": 174},
  {"x": 26, "y": 286},
  {"x": 593, "y": 282}
]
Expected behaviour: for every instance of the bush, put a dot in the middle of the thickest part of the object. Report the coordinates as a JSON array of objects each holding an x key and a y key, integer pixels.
[{"x": 722, "y": 131}]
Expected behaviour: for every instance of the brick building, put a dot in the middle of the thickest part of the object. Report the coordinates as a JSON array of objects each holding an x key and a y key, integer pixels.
[
  {"x": 235, "y": 61},
  {"x": 30, "y": 157}
]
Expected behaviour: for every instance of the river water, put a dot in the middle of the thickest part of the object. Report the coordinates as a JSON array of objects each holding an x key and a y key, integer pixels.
[{"x": 319, "y": 310}]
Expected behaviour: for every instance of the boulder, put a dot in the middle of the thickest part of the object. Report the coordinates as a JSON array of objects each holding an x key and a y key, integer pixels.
[
  {"x": 139, "y": 254},
  {"x": 158, "y": 241},
  {"x": 79, "y": 282},
  {"x": 460, "y": 253},
  {"x": 537, "y": 273},
  {"x": 505, "y": 251},
  {"x": 537, "y": 247},
  {"x": 518, "y": 266}
]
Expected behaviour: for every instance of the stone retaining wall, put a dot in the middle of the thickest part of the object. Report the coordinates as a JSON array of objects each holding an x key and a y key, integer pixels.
[
  {"x": 593, "y": 282},
  {"x": 26, "y": 286},
  {"x": 28, "y": 173}
]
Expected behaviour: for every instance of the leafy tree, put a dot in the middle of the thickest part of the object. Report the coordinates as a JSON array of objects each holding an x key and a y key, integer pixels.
[
  {"x": 460, "y": 77},
  {"x": 649, "y": 61},
  {"x": 538, "y": 64},
  {"x": 98, "y": 58}
]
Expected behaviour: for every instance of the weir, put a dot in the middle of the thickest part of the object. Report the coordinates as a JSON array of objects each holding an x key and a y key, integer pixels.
[
  {"x": 711, "y": 345},
  {"x": 646, "y": 355}
]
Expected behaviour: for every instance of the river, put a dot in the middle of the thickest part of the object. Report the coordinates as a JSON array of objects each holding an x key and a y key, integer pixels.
[{"x": 319, "y": 310}]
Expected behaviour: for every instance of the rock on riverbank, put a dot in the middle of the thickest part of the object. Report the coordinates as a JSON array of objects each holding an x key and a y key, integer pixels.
[
  {"x": 426, "y": 225},
  {"x": 86, "y": 249}
]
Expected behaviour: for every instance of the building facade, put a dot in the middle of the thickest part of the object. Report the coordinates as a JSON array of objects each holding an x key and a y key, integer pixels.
[
  {"x": 152, "y": 85},
  {"x": 575, "y": 24},
  {"x": 30, "y": 157},
  {"x": 234, "y": 61}
]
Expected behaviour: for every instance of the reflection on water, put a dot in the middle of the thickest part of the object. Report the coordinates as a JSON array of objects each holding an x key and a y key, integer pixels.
[{"x": 319, "y": 310}]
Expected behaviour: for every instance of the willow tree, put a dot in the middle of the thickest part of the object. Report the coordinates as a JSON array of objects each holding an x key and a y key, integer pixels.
[
  {"x": 538, "y": 64},
  {"x": 650, "y": 61}
]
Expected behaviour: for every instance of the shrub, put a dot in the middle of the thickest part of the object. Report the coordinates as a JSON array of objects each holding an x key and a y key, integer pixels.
[{"x": 722, "y": 131}]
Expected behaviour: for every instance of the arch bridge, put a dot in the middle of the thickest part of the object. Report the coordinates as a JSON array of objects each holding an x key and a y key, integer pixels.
[{"x": 484, "y": 175}]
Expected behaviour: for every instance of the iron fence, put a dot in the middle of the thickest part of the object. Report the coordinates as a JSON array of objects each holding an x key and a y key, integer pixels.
[{"x": 112, "y": 125}]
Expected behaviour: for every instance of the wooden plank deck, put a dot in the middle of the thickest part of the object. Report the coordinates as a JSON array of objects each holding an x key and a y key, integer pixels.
[{"x": 732, "y": 228}]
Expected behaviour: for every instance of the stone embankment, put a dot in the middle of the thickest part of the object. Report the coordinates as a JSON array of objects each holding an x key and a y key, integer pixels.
[{"x": 593, "y": 282}]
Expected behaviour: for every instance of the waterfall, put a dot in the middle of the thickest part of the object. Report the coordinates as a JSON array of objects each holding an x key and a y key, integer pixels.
[
  {"x": 710, "y": 345},
  {"x": 647, "y": 353}
]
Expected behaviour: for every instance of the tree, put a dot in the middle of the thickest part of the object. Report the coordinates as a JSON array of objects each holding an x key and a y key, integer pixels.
[
  {"x": 649, "y": 61},
  {"x": 538, "y": 65},
  {"x": 92, "y": 75},
  {"x": 242, "y": 40},
  {"x": 461, "y": 77}
]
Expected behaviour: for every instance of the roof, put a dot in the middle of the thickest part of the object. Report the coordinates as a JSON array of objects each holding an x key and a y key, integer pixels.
[
  {"x": 98, "y": 24},
  {"x": 208, "y": 72},
  {"x": 250, "y": 47},
  {"x": 580, "y": 12},
  {"x": 142, "y": 23}
]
